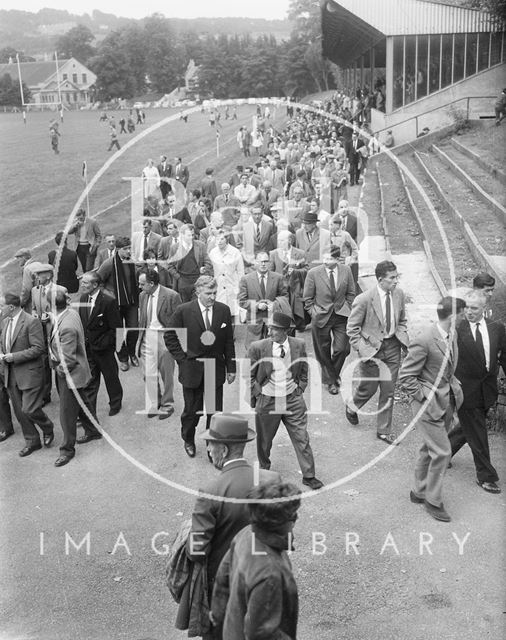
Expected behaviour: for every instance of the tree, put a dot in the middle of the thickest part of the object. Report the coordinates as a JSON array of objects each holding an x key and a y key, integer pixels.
[
  {"x": 163, "y": 65},
  {"x": 10, "y": 53},
  {"x": 9, "y": 92},
  {"x": 112, "y": 68},
  {"x": 76, "y": 43}
]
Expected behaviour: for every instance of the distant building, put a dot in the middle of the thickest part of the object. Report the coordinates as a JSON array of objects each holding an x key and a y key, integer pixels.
[{"x": 41, "y": 78}]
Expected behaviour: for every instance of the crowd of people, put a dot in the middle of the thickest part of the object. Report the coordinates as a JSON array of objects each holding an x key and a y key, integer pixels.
[{"x": 207, "y": 273}]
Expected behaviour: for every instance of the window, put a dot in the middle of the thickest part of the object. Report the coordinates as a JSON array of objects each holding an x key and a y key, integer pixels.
[
  {"x": 434, "y": 53},
  {"x": 410, "y": 67},
  {"x": 74, "y": 78},
  {"x": 471, "y": 53},
  {"x": 495, "y": 48},
  {"x": 421, "y": 73},
  {"x": 483, "y": 48},
  {"x": 446, "y": 69},
  {"x": 398, "y": 71},
  {"x": 75, "y": 96},
  {"x": 65, "y": 76},
  {"x": 459, "y": 56},
  {"x": 84, "y": 78}
]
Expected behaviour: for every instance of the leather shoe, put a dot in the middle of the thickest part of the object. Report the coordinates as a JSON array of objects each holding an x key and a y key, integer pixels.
[
  {"x": 165, "y": 412},
  {"x": 190, "y": 449},
  {"x": 438, "y": 513},
  {"x": 62, "y": 461},
  {"x": 333, "y": 389},
  {"x": 88, "y": 437},
  {"x": 491, "y": 487},
  {"x": 312, "y": 483},
  {"x": 26, "y": 451},
  {"x": 5, "y": 434},
  {"x": 351, "y": 416},
  {"x": 48, "y": 439},
  {"x": 124, "y": 366},
  {"x": 113, "y": 412},
  {"x": 134, "y": 361},
  {"x": 414, "y": 498},
  {"x": 387, "y": 438}
]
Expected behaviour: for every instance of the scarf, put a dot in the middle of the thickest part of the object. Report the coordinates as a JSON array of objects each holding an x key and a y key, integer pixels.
[{"x": 125, "y": 286}]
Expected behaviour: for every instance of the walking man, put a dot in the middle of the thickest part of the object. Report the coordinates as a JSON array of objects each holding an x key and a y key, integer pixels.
[
  {"x": 427, "y": 375},
  {"x": 377, "y": 329},
  {"x": 279, "y": 376}
]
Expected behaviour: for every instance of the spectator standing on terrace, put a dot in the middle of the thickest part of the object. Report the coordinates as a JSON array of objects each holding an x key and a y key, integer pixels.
[{"x": 500, "y": 108}]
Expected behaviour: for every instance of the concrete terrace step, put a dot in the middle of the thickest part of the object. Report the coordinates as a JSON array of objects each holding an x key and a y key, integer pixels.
[
  {"x": 489, "y": 190},
  {"x": 480, "y": 228},
  {"x": 448, "y": 246},
  {"x": 482, "y": 162}
]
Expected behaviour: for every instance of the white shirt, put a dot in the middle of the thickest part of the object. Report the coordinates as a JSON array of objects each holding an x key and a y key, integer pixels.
[
  {"x": 203, "y": 312},
  {"x": 153, "y": 322},
  {"x": 281, "y": 382},
  {"x": 485, "y": 338},
  {"x": 383, "y": 300}
]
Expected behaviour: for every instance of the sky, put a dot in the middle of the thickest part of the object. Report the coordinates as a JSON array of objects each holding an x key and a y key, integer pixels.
[{"x": 270, "y": 9}]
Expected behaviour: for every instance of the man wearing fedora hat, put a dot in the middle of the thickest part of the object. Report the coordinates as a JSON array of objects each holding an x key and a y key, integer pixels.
[
  {"x": 216, "y": 521},
  {"x": 313, "y": 240},
  {"x": 42, "y": 296},
  {"x": 279, "y": 375}
]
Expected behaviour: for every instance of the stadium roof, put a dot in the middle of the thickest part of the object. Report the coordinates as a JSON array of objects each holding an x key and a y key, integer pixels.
[{"x": 350, "y": 27}]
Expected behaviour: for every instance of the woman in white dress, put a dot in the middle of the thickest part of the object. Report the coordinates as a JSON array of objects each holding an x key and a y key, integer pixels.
[
  {"x": 151, "y": 179},
  {"x": 228, "y": 270}
]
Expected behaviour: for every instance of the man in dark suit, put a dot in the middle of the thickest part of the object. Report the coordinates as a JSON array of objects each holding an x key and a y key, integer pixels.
[
  {"x": 350, "y": 223},
  {"x": 6, "y": 426},
  {"x": 279, "y": 376},
  {"x": 258, "y": 291},
  {"x": 427, "y": 375},
  {"x": 329, "y": 291},
  {"x": 482, "y": 348},
  {"x": 67, "y": 353},
  {"x": 119, "y": 278},
  {"x": 22, "y": 347},
  {"x": 172, "y": 212},
  {"x": 354, "y": 158},
  {"x": 156, "y": 306},
  {"x": 208, "y": 186},
  {"x": 165, "y": 171},
  {"x": 100, "y": 318},
  {"x": 216, "y": 522},
  {"x": 67, "y": 264},
  {"x": 181, "y": 172},
  {"x": 377, "y": 329},
  {"x": 209, "y": 336}
]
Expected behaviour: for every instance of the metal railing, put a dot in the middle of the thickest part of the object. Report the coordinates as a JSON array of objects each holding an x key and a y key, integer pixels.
[{"x": 438, "y": 108}]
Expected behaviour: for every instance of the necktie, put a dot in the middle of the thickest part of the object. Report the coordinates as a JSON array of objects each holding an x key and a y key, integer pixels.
[
  {"x": 388, "y": 313},
  {"x": 226, "y": 199},
  {"x": 145, "y": 247},
  {"x": 8, "y": 336},
  {"x": 258, "y": 234},
  {"x": 309, "y": 236},
  {"x": 262, "y": 287},
  {"x": 89, "y": 308},
  {"x": 479, "y": 344},
  {"x": 332, "y": 284},
  {"x": 206, "y": 320},
  {"x": 281, "y": 352},
  {"x": 149, "y": 311}
]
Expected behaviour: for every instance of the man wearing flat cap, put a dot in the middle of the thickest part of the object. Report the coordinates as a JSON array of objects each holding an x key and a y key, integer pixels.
[
  {"x": 279, "y": 376},
  {"x": 216, "y": 522},
  {"x": 42, "y": 300},
  {"x": 26, "y": 262}
]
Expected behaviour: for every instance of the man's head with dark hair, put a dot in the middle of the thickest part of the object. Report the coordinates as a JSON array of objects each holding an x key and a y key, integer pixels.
[
  {"x": 382, "y": 268},
  {"x": 196, "y": 193},
  {"x": 12, "y": 300},
  {"x": 278, "y": 511},
  {"x": 448, "y": 306},
  {"x": 60, "y": 300},
  {"x": 58, "y": 237},
  {"x": 149, "y": 279},
  {"x": 482, "y": 280},
  {"x": 209, "y": 171}
]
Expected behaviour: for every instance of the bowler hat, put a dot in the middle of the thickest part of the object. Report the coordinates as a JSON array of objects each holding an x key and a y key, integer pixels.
[
  {"x": 281, "y": 320},
  {"x": 310, "y": 217},
  {"x": 39, "y": 267},
  {"x": 227, "y": 428}
]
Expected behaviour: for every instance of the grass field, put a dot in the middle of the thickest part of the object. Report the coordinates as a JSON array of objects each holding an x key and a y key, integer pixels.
[{"x": 40, "y": 189}]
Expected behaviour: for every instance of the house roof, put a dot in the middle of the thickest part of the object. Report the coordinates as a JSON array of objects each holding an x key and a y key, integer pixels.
[
  {"x": 32, "y": 73},
  {"x": 350, "y": 27}
]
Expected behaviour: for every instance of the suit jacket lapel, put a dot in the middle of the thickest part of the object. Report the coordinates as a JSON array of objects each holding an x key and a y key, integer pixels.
[
  {"x": 19, "y": 324},
  {"x": 96, "y": 307},
  {"x": 376, "y": 305},
  {"x": 199, "y": 315}
]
